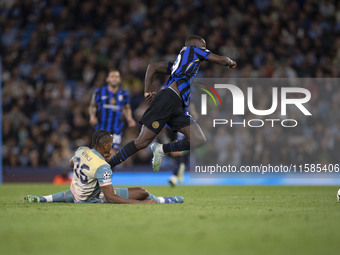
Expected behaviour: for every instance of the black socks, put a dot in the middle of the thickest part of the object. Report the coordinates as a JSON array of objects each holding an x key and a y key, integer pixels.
[
  {"x": 128, "y": 150},
  {"x": 181, "y": 145}
]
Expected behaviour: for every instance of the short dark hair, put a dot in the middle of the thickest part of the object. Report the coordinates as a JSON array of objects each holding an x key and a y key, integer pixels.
[
  {"x": 113, "y": 70},
  {"x": 100, "y": 137},
  {"x": 191, "y": 38}
]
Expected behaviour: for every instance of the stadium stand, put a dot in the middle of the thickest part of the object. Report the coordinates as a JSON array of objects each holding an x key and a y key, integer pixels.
[{"x": 56, "y": 52}]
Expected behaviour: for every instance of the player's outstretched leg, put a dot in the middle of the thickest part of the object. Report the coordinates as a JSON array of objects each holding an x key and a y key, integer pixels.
[
  {"x": 61, "y": 197},
  {"x": 197, "y": 139},
  {"x": 158, "y": 153},
  {"x": 145, "y": 137},
  {"x": 159, "y": 150},
  {"x": 181, "y": 171},
  {"x": 165, "y": 200},
  {"x": 32, "y": 199},
  {"x": 178, "y": 175},
  {"x": 171, "y": 200},
  {"x": 139, "y": 193}
]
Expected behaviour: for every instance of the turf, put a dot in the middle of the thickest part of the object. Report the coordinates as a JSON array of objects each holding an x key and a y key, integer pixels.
[{"x": 213, "y": 220}]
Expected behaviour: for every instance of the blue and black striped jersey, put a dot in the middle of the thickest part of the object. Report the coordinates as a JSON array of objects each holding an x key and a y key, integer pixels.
[
  {"x": 110, "y": 109},
  {"x": 185, "y": 69}
]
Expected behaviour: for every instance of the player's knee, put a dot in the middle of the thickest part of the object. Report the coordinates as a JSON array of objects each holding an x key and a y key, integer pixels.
[
  {"x": 202, "y": 140},
  {"x": 142, "y": 143},
  {"x": 143, "y": 193},
  {"x": 198, "y": 141}
]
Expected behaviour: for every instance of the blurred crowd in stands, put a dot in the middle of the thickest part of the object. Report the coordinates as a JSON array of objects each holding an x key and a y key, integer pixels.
[
  {"x": 56, "y": 52},
  {"x": 276, "y": 138}
]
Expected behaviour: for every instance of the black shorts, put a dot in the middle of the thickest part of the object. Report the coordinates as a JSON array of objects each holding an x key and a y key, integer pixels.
[{"x": 166, "y": 108}]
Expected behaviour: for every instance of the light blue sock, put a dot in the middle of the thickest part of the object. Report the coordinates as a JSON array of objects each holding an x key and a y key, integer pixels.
[
  {"x": 62, "y": 197},
  {"x": 152, "y": 197}
]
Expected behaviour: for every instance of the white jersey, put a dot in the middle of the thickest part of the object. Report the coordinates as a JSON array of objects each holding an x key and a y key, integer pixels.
[{"x": 90, "y": 171}]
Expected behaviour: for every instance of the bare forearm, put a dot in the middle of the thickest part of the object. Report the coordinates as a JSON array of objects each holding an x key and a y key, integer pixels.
[
  {"x": 127, "y": 113},
  {"x": 114, "y": 199},
  {"x": 92, "y": 110},
  {"x": 159, "y": 67},
  {"x": 149, "y": 76},
  {"x": 93, "y": 107},
  {"x": 228, "y": 61},
  {"x": 222, "y": 60}
]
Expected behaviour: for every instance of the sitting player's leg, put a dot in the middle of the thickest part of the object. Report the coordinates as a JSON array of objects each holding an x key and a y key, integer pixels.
[
  {"x": 139, "y": 193},
  {"x": 61, "y": 197}
]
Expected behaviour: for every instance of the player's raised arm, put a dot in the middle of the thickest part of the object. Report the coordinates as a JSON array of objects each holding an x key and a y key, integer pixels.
[
  {"x": 222, "y": 60},
  {"x": 111, "y": 197},
  {"x": 151, "y": 71}
]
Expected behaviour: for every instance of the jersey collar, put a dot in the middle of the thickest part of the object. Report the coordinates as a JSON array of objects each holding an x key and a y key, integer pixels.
[
  {"x": 118, "y": 91},
  {"x": 97, "y": 153}
]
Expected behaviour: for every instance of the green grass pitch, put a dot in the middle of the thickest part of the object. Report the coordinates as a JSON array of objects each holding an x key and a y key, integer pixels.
[{"x": 213, "y": 220}]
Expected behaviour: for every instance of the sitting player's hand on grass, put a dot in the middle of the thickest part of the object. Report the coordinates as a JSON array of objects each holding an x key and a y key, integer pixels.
[
  {"x": 149, "y": 202},
  {"x": 149, "y": 96}
]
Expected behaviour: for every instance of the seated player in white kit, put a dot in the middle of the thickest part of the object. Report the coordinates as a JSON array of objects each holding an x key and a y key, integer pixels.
[{"x": 92, "y": 176}]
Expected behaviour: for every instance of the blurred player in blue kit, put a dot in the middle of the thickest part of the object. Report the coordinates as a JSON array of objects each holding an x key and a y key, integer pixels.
[
  {"x": 180, "y": 159},
  {"x": 108, "y": 106},
  {"x": 92, "y": 179},
  {"x": 169, "y": 105}
]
